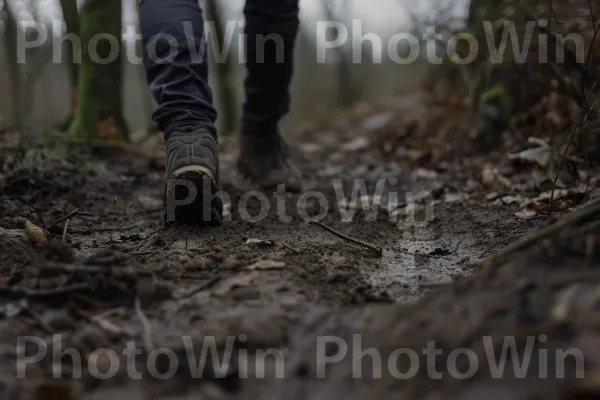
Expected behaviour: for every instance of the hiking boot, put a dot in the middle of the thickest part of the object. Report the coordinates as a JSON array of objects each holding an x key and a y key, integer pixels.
[
  {"x": 265, "y": 162},
  {"x": 192, "y": 178}
]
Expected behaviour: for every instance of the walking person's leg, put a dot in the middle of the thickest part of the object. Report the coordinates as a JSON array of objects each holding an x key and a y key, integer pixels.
[
  {"x": 176, "y": 65},
  {"x": 270, "y": 34}
]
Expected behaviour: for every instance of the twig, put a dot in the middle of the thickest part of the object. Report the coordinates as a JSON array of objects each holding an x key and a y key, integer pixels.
[
  {"x": 105, "y": 324},
  {"x": 33, "y": 208},
  {"x": 40, "y": 321},
  {"x": 200, "y": 287},
  {"x": 66, "y": 217},
  {"x": 64, "y": 235},
  {"x": 433, "y": 285},
  {"x": 112, "y": 228},
  {"x": 36, "y": 194},
  {"x": 588, "y": 212},
  {"x": 580, "y": 122},
  {"x": 149, "y": 211},
  {"x": 147, "y": 336},
  {"x": 508, "y": 239},
  {"x": 109, "y": 326},
  {"x": 184, "y": 297},
  {"x": 290, "y": 248},
  {"x": 26, "y": 292},
  {"x": 144, "y": 253},
  {"x": 72, "y": 268},
  {"x": 377, "y": 249}
]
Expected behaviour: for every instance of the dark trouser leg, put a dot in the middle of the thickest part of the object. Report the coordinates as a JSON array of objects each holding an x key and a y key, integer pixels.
[
  {"x": 271, "y": 29},
  {"x": 177, "y": 76}
]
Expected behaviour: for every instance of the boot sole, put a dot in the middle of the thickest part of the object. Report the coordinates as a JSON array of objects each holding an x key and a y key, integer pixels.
[{"x": 204, "y": 207}]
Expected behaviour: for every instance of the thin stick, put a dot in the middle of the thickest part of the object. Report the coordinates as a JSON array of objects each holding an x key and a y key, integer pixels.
[
  {"x": 433, "y": 285},
  {"x": 66, "y": 217},
  {"x": 492, "y": 247},
  {"x": 191, "y": 292},
  {"x": 582, "y": 117},
  {"x": 26, "y": 292},
  {"x": 32, "y": 207},
  {"x": 64, "y": 235},
  {"x": 146, "y": 327},
  {"x": 589, "y": 212},
  {"x": 113, "y": 228},
  {"x": 72, "y": 268},
  {"x": 41, "y": 321},
  {"x": 106, "y": 325},
  {"x": 377, "y": 249},
  {"x": 181, "y": 300},
  {"x": 290, "y": 248},
  {"x": 150, "y": 211}
]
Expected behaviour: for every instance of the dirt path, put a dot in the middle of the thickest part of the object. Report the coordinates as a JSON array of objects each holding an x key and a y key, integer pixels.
[{"x": 282, "y": 285}]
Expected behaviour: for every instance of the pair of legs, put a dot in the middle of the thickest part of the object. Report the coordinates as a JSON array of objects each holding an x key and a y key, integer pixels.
[{"x": 175, "y": 57}]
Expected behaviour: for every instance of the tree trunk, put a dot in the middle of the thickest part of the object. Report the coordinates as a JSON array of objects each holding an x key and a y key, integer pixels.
[
  {"x": 345, "y": 88},
  {"x": 14, "y": 73},
  {"x": 223, "y": 73},
  {"x": 100, "y": 105},
  {"x": 71, "y": 17}
]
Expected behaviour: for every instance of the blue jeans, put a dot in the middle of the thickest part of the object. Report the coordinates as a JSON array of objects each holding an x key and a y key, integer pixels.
[{"x": 179, "y": 82}]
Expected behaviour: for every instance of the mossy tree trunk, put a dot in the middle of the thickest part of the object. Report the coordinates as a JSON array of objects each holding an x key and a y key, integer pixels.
[{"x": 100, "y": 105}]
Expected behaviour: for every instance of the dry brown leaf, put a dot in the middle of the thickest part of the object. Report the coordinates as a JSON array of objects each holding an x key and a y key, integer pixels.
[
  {"x": 241, "y": 280},
  {"x": 266, "y": 264},
  {"x": 35, "y": 233}
]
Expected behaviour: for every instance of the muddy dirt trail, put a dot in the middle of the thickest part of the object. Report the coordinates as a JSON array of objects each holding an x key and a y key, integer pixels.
[{"x": 268, "y": 282}]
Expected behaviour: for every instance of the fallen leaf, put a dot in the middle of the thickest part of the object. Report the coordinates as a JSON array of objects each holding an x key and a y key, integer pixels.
[
  {"x": 241, "y": 280},
  {"x": 491, "y": 178},
  {"x": 545, "y": 185},
  {"x": 425, "y": 174},
  {"x": 539, "y": 155},
  {"x": 149, "y": 202},
  {"x": 356, "y": 144},
  {"x": 454, "y": 197},
  {"x": 376, "y": 122},
  {"x": 259, "y": 242},
  {"x": 266, "y": 264},
  {"x": 526, "y": 214},
  {"x": 35, "y": 233},
  {"x": 492, "y": 196},
  {"x": 311, "y": 148},
  {"x": 513, "y": 199},
  {"x": 11, "y": 309}
]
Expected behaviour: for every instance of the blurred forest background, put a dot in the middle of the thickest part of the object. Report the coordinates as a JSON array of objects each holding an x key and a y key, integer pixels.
[
  {"x": 550, "y": 96},
  {"x": 40, "y": 93}
]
